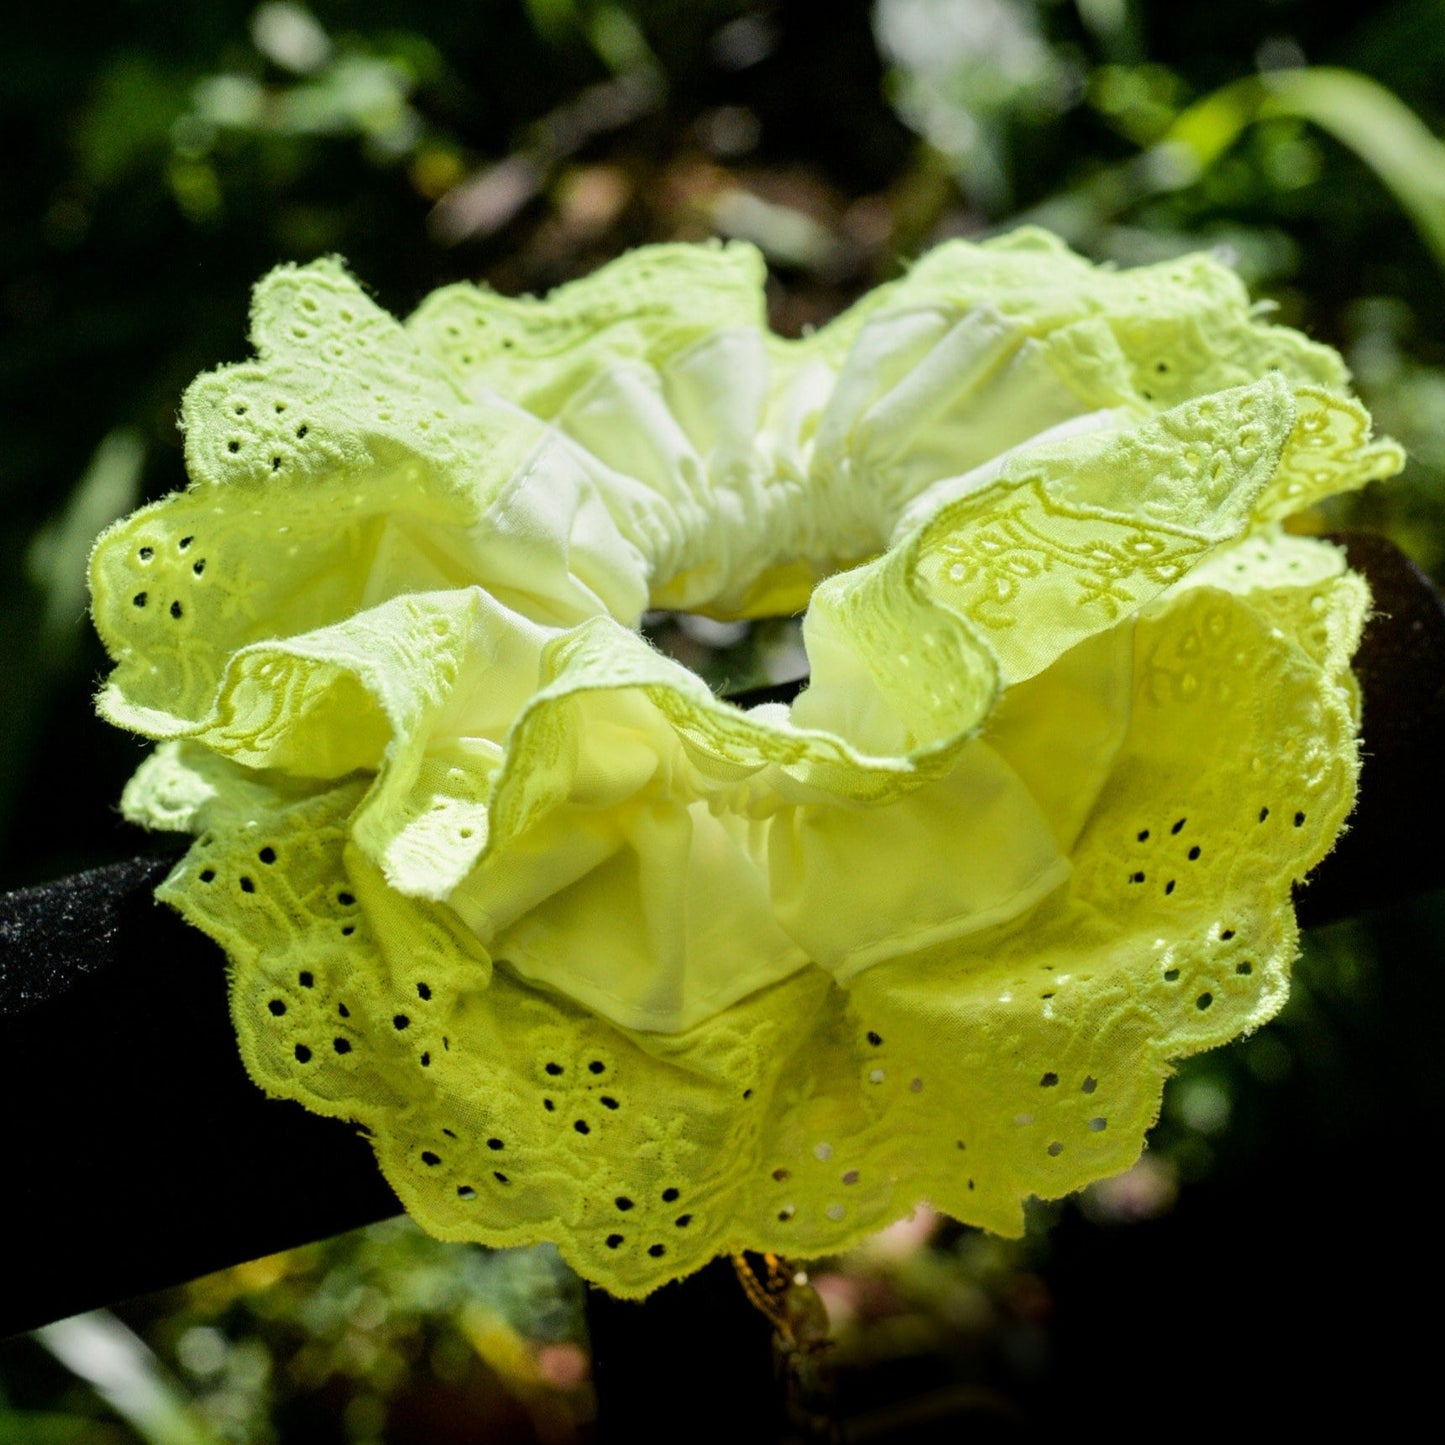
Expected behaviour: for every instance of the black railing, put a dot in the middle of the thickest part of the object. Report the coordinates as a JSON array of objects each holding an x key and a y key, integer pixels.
[{"x": 139, "y": 1155}]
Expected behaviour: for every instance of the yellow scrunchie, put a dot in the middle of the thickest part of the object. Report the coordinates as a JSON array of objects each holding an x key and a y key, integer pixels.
[{"x": 600, "y": 959}]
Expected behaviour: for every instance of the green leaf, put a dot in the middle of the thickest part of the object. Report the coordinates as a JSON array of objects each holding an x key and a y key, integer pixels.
[{"x": 1358, "y": 112}]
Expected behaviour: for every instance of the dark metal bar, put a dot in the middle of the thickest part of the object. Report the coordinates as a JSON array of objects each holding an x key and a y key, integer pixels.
[
  {"x": 137, "y": 1152},
  {"x": 1385, "y": 856},
  {"x": 139, "y": 1155}
]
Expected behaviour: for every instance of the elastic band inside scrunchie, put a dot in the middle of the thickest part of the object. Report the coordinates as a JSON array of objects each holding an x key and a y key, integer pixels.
[{"x": 600, "y": 958}]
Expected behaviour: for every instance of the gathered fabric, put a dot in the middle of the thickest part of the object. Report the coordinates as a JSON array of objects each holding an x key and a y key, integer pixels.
[{"x": 596, "y": 957}]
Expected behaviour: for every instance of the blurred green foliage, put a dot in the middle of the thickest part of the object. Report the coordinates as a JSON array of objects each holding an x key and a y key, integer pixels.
[{"x": 160, "y": 158}]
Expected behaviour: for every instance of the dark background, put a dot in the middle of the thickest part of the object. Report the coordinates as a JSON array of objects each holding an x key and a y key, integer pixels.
[{"x": 1276, "y": 1254}]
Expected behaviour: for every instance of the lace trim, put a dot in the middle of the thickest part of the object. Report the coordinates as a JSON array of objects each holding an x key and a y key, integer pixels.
[{"x": 599, "y": 959}]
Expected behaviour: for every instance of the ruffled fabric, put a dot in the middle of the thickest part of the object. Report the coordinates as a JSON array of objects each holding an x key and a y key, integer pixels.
[{"x": 598, "y": 958}]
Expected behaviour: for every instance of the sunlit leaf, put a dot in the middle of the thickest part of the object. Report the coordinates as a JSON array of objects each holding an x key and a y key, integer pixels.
[{"x": 1358, "y": 112}]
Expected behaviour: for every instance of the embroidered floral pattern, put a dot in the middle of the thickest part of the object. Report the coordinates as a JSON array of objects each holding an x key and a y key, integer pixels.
[{"x": 599, "y": 958}]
